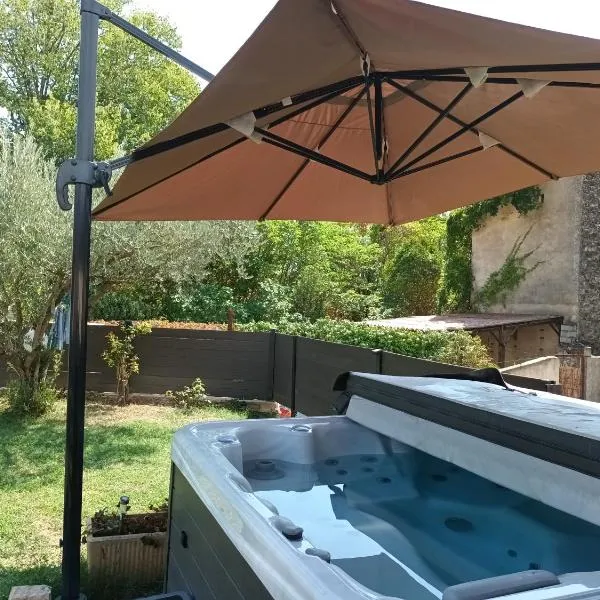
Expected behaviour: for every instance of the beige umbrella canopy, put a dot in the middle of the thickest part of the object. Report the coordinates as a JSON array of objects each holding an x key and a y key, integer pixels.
[{"x": 381, "y": 111}]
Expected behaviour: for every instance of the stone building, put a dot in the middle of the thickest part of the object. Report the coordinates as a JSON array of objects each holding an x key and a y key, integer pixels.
[{"x": 564, "y": 235}]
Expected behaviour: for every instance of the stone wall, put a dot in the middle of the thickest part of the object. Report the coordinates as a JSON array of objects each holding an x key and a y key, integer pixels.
[
  {"x": 589, "y": 264},
  {"x": 552, "y": 288}
]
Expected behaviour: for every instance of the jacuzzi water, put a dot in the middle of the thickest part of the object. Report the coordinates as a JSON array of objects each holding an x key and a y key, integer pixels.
[{"x": 412, "y": 525}]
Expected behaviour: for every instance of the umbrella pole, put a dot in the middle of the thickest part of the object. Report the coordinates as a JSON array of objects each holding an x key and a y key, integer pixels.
[{"x": 86, "y": 106}]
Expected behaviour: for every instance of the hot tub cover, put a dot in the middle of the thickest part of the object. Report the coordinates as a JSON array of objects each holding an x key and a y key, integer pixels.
[{"x": 556, "y": 429}]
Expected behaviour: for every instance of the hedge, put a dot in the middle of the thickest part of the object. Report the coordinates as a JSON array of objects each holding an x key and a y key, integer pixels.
[{"x": 452, "y": 347}]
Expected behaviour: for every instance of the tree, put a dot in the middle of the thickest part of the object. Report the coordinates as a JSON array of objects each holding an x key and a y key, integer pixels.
[
  {"x": 330, "y": 268},
  {"x": 139, "y": 90},
  {"x": 35, "y": 255},
  {"x": 412, "y": 268}
]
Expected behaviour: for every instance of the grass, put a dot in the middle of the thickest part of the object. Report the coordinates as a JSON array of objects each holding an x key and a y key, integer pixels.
[{"x": 127, "y": 452}]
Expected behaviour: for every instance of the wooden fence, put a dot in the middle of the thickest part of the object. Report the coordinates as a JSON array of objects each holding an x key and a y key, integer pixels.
[{"x": 295, "y": 371}]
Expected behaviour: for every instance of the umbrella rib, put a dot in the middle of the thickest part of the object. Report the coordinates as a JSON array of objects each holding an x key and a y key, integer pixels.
[
  {"x": 315, "y": 103},
  {"x": 306, "y": 161},
  {"x": 441, "y": 116},
  {"x": 474, "y": 130},
  {"x": 318, "y": 96},
  {"x": 464, "y": 129},
  {"x": 344, "y": 86},
  {"x": 436, "y": 163},
  {"x": 279, "y": 142},
  {"x": 385, "y": 156},
  {"x": 348, "y": 29},
  {"x": 378, "y": 121}
]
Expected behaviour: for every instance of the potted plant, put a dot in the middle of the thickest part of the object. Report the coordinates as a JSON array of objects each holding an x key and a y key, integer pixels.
[{"x": 127, "y": 546}]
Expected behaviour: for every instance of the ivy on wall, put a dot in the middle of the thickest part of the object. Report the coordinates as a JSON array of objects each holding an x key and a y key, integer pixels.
[
  {"x": 456, "y": 287},
  {"x": 507, "y": 278}
]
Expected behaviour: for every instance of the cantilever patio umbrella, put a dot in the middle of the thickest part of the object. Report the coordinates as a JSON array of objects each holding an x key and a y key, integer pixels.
[
  {"x": 348, "y": 110},
  {"x": 374, "y": 111}
]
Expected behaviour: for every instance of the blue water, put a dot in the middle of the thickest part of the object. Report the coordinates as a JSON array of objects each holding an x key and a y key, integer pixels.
[{"x": 411, "y": 525}]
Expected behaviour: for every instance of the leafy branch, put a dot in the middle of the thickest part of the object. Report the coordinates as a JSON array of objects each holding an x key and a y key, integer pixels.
[{"x": 508, "y": 277}]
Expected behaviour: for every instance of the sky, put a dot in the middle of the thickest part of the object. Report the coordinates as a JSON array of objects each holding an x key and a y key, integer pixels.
[{"x": 213, "y": 31}]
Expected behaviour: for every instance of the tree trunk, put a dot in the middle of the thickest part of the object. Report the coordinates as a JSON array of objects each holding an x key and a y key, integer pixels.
[
  {"x": 32, "y": 369},
  {"x": 122, "y": 385}
]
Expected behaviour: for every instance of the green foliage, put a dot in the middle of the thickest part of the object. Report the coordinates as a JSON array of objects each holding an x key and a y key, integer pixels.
[
  {"x": 193, "y": 396},
  {"x": 453, "y": 347},
  {"x": 139, "y": 90},
  {"x": 456, "y": 284},
  {"x": 411, "y": 271},
  {"x": 120, "y": 355},
  {"x": 193, "y": 301},
  {"x": 36, "y": 396},
  {"x": 319, "y": 263},
  {"x": 313, "y": 269},
  {"x": 508, "y": 277},
  {"x": 464, "y": 349},
  {"x": 456, "y": 287},
  {"x": 35, "y": 254}
]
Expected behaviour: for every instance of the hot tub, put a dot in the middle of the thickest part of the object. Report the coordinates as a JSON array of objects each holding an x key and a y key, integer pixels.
[{"x": 384, "y": 503}]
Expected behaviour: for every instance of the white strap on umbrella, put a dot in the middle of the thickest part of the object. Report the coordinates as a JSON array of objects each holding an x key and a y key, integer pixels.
[
  {"x": 365, "y": 64},
  {"x": 244, "y": 124},
  {"x": 477, "y": 75},
  {"x": 531, "y": 87},
  {"x": 487, "y": 141}
]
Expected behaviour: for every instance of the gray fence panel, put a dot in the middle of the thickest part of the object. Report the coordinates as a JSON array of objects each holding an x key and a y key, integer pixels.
[
  {"x": 398, "y": 364},
  {"x": 318, "y": 365},
  {"x": 252, "y": 365},
  {"x": 230, "y": 363}
]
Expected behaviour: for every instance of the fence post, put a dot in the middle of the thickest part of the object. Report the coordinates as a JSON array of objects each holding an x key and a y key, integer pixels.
[
  {"x": 378, "y": 361},
  {"x": 293, "y": 378},
  {"x": 271, "y": 366}
]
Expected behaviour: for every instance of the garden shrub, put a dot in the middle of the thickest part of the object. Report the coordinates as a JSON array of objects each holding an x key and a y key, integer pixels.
[
  {"x": 35, "y": 400},
  {"x": 36, "y": 395},
  {"x": 193, "y": 396},
  {"x": 453, "y": 347}
]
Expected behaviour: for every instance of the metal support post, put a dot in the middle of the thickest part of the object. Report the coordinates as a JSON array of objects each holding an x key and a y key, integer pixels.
[{"x": 82, "y": 220}]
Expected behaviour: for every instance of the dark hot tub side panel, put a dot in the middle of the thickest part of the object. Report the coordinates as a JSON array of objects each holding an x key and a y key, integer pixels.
[{"x": 202, "y": 560}]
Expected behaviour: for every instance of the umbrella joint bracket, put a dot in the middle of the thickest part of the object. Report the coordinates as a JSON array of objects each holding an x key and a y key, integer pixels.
[
  {"x": 73, "y": 171},
  {"x": 379, "y": 178}
]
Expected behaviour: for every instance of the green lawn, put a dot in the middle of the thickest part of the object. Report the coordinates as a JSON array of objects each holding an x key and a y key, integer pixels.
[{"x": 127, "y": 452}]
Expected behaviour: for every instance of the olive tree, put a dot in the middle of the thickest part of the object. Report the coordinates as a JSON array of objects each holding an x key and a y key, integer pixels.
[{"x": 35, "y": 256}]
